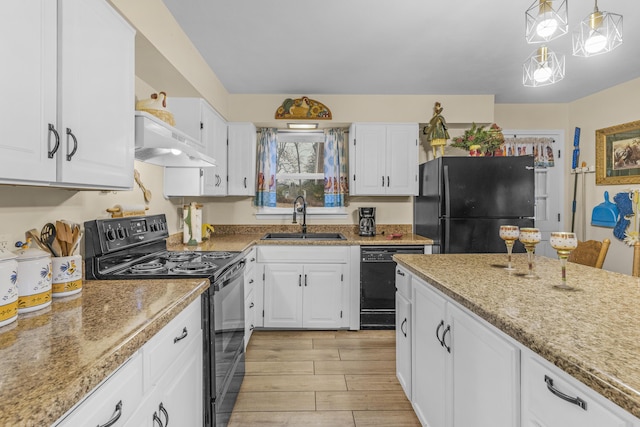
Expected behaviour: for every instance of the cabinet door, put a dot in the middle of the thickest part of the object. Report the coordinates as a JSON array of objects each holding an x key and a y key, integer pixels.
[
  {"x": 214, "y": 136},
  {"x": 182, "y": 388},
  {"x": 28, "y": 86},
  {"x": 429, "y": 358},
  {"x": 542, "y": 408},
  {"x": 369, "y": 150},
  {"x": 283, "y": 295},
  {"x": 402, "y": 159},
  {"x": 322, "y": 296},
  {"x": 241, "y": 159},
  {"x": 96, "y": 95},
  {"x": 485, "y": 374},
  {"x": 403, "y": 343}
]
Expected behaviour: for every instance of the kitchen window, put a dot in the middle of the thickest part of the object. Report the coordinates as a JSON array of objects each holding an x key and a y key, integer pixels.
[{"x": 300, "y": 159}]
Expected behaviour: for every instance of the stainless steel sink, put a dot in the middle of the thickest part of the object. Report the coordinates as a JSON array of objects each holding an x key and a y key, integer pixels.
[{"x": 303, "y": 236}]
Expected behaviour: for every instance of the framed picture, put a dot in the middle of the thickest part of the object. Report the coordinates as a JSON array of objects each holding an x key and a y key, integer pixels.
[{"x": 618, "y": 154}]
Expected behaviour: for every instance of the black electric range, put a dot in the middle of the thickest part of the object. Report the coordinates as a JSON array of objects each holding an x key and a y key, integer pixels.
[{"x": 135, "y": 248}]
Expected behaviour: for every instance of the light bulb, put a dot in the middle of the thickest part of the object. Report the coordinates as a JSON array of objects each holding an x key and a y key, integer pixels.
[
  {"x": 547, "y": 26},
  {"x": 542, "y": 73},
  {"x": 595, "y": 43},
  {"x": 175, "y": 152}
]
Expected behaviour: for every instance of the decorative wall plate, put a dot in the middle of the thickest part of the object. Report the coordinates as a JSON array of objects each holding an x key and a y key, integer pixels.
[{"x": 303, "y": 109}]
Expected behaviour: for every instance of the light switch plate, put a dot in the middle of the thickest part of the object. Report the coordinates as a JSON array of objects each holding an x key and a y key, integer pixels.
[{"x": 4, "y": 241}]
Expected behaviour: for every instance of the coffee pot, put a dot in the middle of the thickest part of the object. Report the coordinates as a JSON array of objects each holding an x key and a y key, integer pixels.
[{"x": 367, "y": 221}]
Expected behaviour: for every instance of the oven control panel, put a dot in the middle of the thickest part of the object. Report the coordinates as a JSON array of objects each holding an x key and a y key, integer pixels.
[{"x": 120, "y": 233}]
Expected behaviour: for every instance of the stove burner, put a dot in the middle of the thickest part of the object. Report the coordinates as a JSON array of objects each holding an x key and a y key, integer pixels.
[
  {"x": 178, "y": 256},
  {"x": 148, "y": 267},
  {"x": 194, "y": 267},
  {"x": 217, "y": 255}
]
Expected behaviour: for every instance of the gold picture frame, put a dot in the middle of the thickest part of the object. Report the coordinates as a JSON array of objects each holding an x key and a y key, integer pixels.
[{"x": 618, "y": 154}]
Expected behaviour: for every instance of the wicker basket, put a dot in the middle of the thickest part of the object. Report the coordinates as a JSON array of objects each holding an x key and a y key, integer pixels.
[{"x": 164, "y": 115}]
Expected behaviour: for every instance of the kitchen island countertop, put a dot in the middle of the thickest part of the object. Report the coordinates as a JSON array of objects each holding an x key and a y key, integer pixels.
[
  {"x": 53, "y": 357},
  {"x": 592, "y": 333}
]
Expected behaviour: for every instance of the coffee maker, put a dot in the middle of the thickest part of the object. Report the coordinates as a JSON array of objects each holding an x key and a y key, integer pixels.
[{"x": 367, "y": 221}]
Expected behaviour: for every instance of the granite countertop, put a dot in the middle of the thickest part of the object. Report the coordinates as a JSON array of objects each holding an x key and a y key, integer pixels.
[
  {"x": 240, "y": 238},
  {"x": 592, "y": 333},
  {"x": 51, "y": 358}
]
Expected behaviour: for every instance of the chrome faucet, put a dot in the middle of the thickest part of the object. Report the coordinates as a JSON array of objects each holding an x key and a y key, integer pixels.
[{"x": 302, "y": 209}]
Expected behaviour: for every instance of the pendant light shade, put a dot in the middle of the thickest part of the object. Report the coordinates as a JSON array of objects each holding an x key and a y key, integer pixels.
[
  {"x": 544, "y": 22},
  {"x": 600, "y": 32},
  {"x": 542, "y": 68}
]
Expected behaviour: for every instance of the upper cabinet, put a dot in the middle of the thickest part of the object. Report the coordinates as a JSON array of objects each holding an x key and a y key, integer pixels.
[
  {"x": 198, "y": 119},
  {"x": 241, "y": 159},
  {"x": 68, "y": 95},
  {"x": 383, "y": 159}
]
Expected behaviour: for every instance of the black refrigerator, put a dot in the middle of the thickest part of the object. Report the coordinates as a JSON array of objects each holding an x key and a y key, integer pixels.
[{"x": 463, "y": 201}]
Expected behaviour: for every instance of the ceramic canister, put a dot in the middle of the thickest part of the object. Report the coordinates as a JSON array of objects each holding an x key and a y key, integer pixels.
[
  {"x": 67, "y": 275},
  {"x": 8, "y": 287},
  {"x": 34, "y": 280}
]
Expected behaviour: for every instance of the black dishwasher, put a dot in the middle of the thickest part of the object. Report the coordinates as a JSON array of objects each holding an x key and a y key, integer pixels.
[{"x": 378, "y": 286}]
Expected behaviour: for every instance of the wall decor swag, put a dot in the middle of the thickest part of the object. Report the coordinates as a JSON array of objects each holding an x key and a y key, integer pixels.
[
  {"x": 303, "y": 108},
  {"x": 618, "y": 154}
]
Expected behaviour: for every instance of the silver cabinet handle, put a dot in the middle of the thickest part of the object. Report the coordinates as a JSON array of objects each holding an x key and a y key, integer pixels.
[
  {"x": 399, "y": 273},
  {"x": 166, "y": 414},
  {"x": 444, "y": 334},
  {"x": 250, "y": 281},
  {"x": 75, "y": 144},
  {"x": 383, "y": 180},
  {"x": 404, "y": 322},
  {"x": 157, "y": 418},
  {"x": 251, "y": 305},
  {"x": 575, "y": 400},
  {"x": 300, "y": 280},
  {"x": 387, "y": 180},
  {"x": 116, "y": 416},
  {"x": 52, "y": 129},
  {"x": 245, "y": 182},
  {"x": 305, "y": 280},
  {"x": 181, "y": 337},
  {"x": 440, "y": 325}
]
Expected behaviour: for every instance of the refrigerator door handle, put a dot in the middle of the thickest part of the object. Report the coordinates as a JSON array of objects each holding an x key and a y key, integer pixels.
[{"x": 447, "y": 208}]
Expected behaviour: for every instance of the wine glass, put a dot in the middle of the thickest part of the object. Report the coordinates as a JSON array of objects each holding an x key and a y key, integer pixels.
[
  {"x": 563, "y": 242},
  {"x": 509, "y": 233},
  {"x": 530, "y": 237}
]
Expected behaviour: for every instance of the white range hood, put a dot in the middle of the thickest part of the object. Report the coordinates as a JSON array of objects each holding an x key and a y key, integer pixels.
[{"x": 161, "y": 144}]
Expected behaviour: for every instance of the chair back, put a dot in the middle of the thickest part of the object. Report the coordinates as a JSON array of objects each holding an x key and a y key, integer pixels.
[{"x": 590, "y": 252}]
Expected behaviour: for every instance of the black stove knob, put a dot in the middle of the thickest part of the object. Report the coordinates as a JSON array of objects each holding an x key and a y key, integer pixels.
[
  {"x": 120, "y": 233},
  {"x": 111, "y": 235}
]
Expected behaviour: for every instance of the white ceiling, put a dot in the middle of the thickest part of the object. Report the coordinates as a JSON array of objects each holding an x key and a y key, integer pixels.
[{"x": 395, "y": 47}]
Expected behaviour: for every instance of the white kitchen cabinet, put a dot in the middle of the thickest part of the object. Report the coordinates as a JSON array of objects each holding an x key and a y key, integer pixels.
[
  {"x": 551, "y": 398},
  {"x": 241, "y": 158},
  {"x": 116, "y": 398},
  {"x": 173, "y": 373},
  {"x": 383, "y": 159},
  {"x": 463, "y": 372},
  {"x": 198, "y": 119},
  {"x": 249, "y": 295},
  {"x": 68, "y": 95},
  {"x": 304, "y": 287},
  {"x": 403, "y": 329}
]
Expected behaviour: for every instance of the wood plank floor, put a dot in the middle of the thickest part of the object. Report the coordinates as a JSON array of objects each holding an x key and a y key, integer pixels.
[{"x": 321, "y": 378}]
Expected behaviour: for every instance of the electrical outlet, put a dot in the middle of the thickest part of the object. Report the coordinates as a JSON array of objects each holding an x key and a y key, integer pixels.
[{"x": 4, "y": 241}]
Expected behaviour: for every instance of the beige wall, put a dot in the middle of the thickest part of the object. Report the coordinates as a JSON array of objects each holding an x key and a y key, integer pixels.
[{"x": 162, "y": 45}]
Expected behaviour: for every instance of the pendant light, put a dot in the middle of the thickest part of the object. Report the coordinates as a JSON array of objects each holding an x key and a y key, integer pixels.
[
  {"x": 542, "y": 68},
  {"x": 544, "y": 22},
  {"x": 598, "y": 33}
]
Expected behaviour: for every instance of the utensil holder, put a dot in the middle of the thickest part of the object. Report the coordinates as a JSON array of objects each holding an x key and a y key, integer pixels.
[{"x": 67, "y": 275}]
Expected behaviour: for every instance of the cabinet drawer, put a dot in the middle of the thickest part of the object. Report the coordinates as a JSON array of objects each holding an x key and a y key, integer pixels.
[
  {"x": 100, "y": 406},
  {"x": 542, "y": 408},
  {"x": 168, "y": 344},
  {"x": 306, "y": 254}
]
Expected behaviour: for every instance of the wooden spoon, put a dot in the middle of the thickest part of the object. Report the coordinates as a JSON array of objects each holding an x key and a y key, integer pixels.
[
  {"x": 147, "y": 193},
  {"x": 61, "y": 237}
]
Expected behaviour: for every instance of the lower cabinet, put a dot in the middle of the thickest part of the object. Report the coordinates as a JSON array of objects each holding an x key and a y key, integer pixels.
[
  {"x": 551, "y": 398},
  {"x": 304, "y": 287},
  {"x": 463, "y": 373},
  {"x": 162, "y": 381},
  {"x": 403, "y": 329},
  {"x": 249, "y": 295}
]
